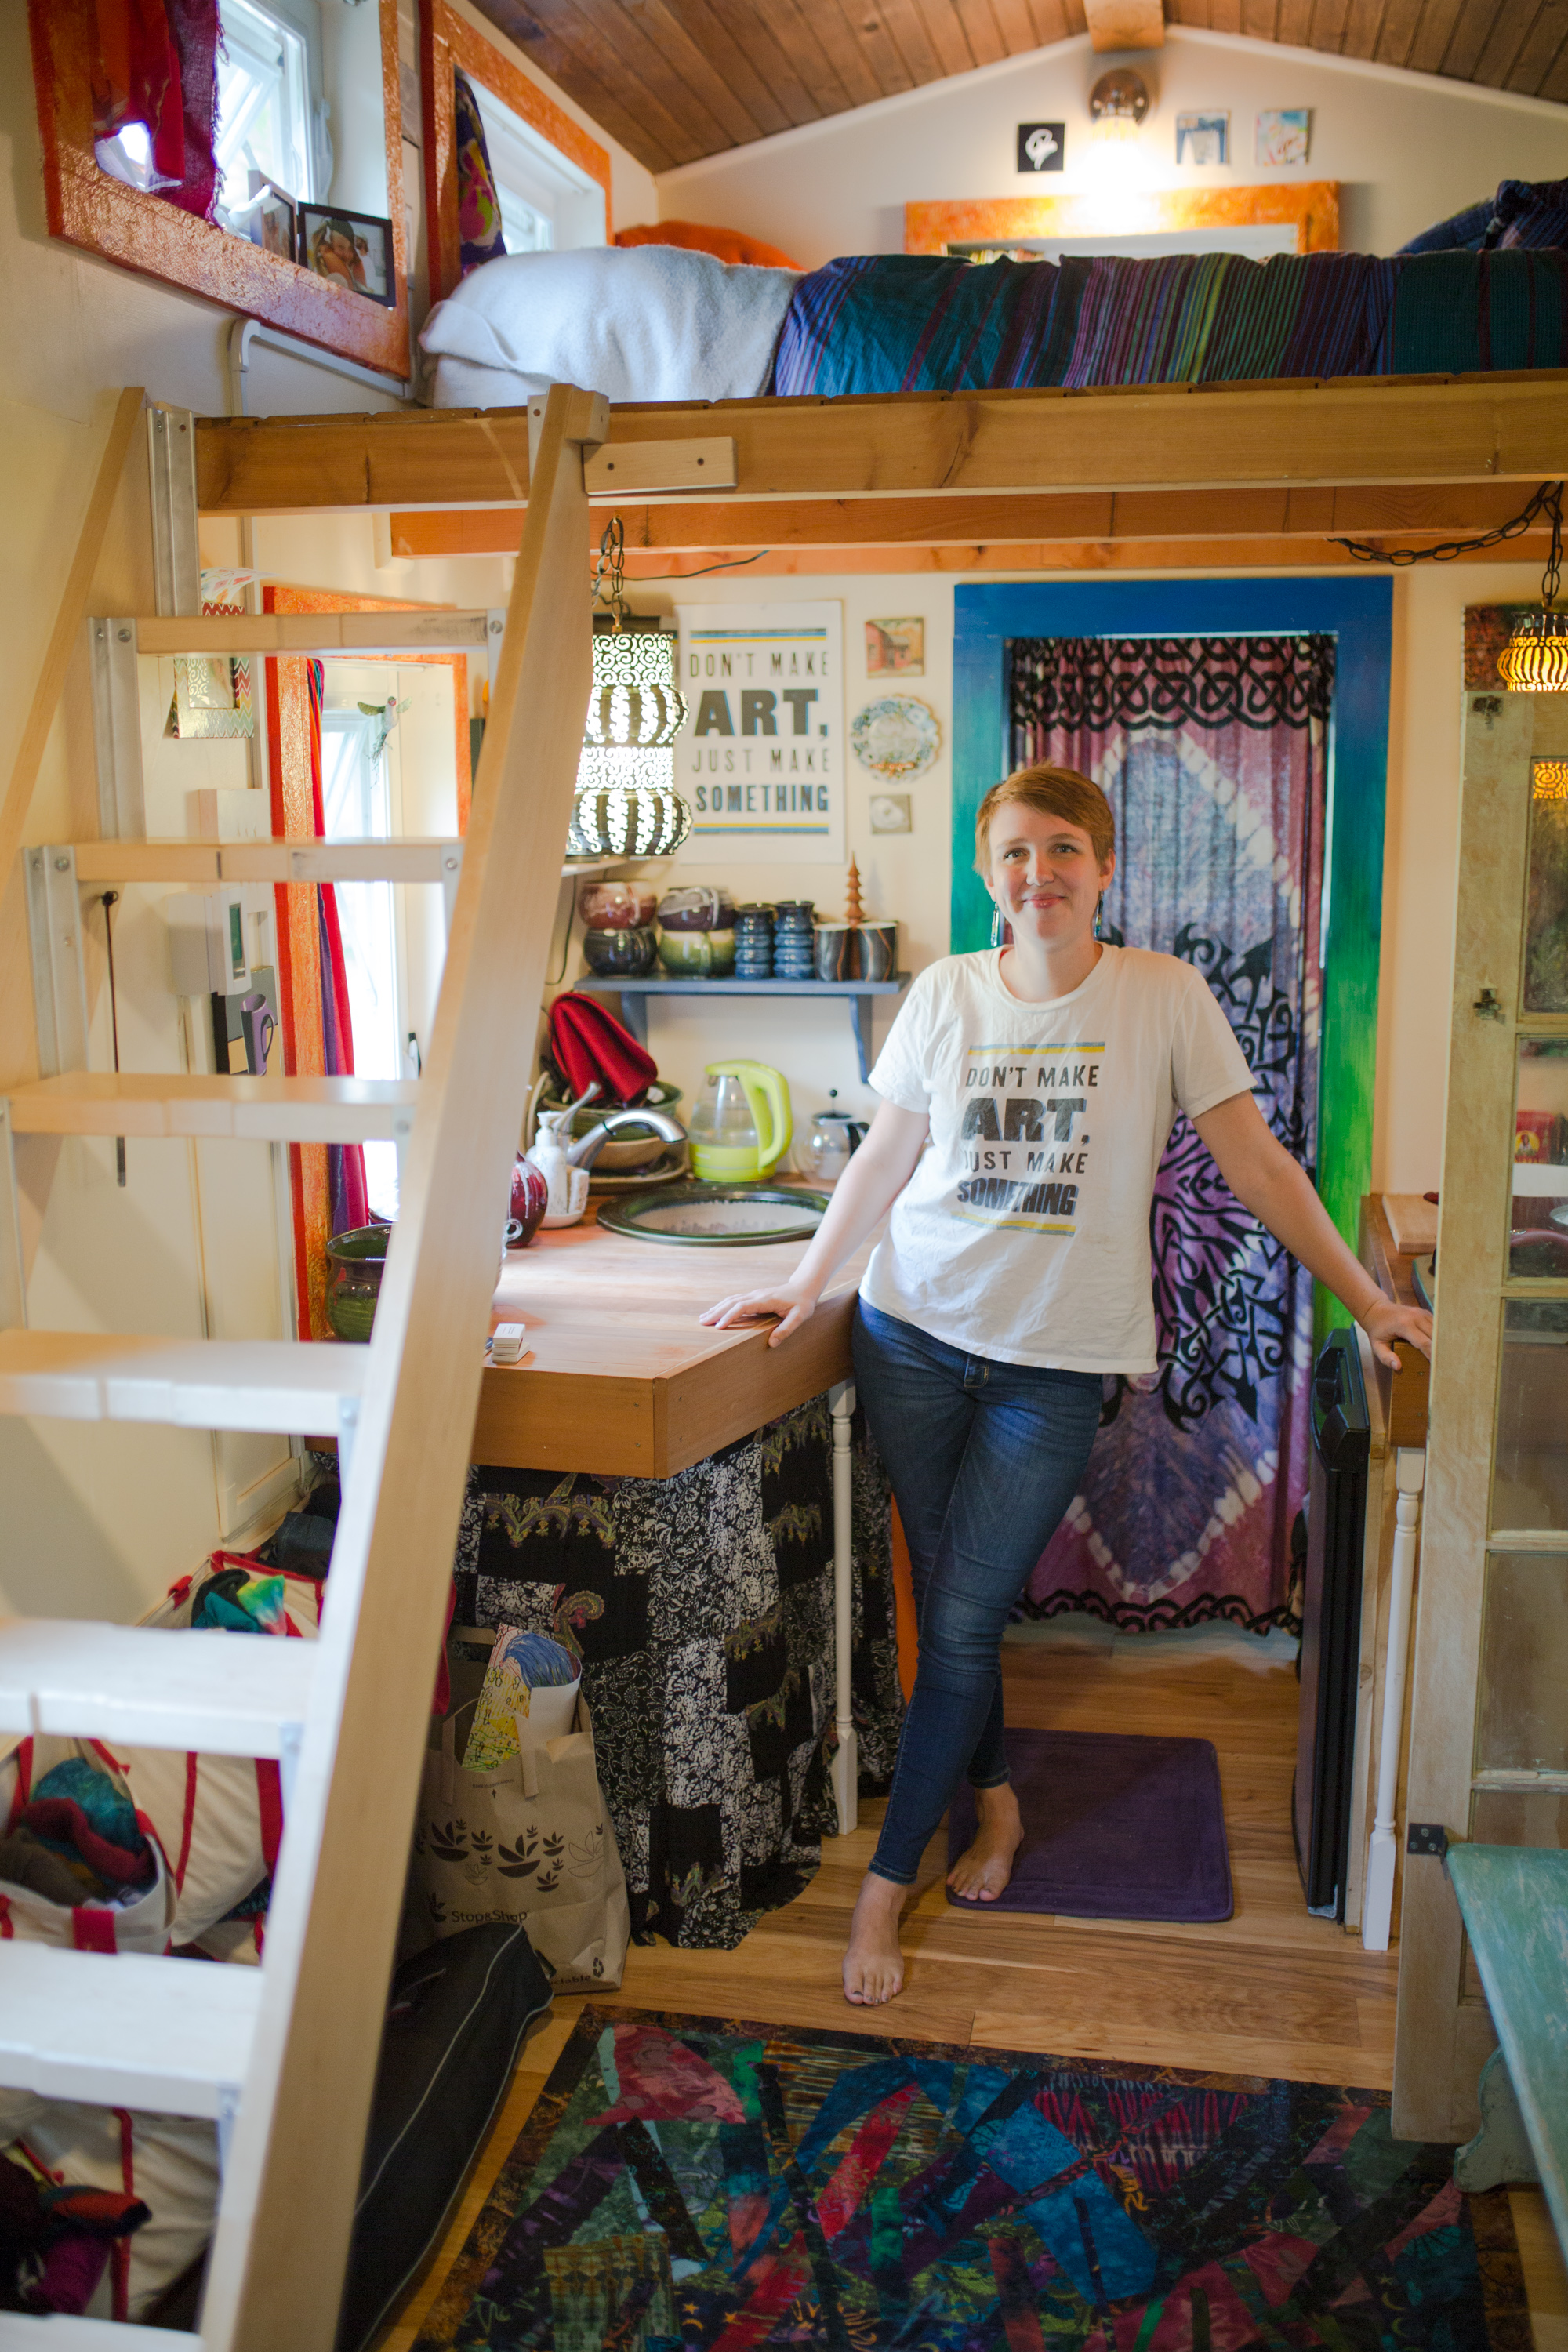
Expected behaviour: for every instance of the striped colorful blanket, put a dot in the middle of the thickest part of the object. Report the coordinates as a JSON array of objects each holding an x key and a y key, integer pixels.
[{"x": 913, "y": 322}]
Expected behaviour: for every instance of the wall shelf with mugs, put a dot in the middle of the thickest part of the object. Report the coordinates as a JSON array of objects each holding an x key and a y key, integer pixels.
[{"x": 858, "y": 993}]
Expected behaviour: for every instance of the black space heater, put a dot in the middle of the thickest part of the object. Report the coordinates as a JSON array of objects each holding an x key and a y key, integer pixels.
[{"x": 1331, "y": 1624}]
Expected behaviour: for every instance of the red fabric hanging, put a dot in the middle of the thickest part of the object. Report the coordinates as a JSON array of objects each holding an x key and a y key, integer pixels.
[{"x": 156, "y": 65}]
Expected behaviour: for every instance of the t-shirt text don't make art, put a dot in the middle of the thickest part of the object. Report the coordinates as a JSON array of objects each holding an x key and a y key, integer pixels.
[{"x": 1024, "y": 1232}]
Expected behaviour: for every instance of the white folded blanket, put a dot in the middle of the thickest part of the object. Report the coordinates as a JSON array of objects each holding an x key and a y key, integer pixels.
[{"x": 635, "y": 322}]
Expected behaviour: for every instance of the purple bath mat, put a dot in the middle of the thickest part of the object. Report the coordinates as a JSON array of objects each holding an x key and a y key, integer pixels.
[{"x": 1114, "y": 1828}]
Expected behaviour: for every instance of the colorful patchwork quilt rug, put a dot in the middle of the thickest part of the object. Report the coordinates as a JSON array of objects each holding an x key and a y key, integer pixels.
[{"x": 701, "y": 2185}]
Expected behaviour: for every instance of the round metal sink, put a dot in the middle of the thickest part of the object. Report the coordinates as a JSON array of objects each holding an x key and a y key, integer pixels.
[{"x": 717, "y": 1216}]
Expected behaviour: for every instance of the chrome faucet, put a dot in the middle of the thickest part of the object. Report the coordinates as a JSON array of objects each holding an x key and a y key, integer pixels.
[{"x": 585, "y": 1150}]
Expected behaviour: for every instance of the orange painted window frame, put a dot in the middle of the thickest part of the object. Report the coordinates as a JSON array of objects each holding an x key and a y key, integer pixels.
[
  {"x": 85, "y": 207},
  {"x": 1311, "y": 205},
  {"x": 448, "y": 41}
]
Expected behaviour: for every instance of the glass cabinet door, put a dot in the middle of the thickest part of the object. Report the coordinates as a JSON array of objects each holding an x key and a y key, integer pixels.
[{"x": 1489, "y": 1758}]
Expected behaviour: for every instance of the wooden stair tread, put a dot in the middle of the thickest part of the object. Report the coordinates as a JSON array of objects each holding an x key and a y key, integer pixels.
[
  {"x": 126, "y": 2029},
  {"x": 251, "y": 1109},
  {"x": 63, "y": 2332},
  {"x": 292, "y": 635},
  {"x": 270, "y": 1385},
  {"x": 152, "y": 1687},
  {"x": 263, "y": 859}
]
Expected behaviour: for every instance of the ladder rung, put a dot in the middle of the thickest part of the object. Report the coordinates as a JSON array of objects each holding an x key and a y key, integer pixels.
[
  {"x": 259, "y": 1110},
  {"x": 202, "y": 863},
  {"x": 286, "y": 1386},
  {"x": 125, "y": 2029},
  {"x": 289, "y": 635},
  {"x": 149, "y": 1686},
  {"x": 65, "y": 2332}
]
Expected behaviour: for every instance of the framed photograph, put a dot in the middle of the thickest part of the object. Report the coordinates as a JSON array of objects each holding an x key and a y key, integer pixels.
[
  {"x": 268, "y": 218},
  {"x": 895, "y": 646},
  {"x": 1202, "y": 138},
  {"x": 891, "y": 813},
  {"x": 1282, "y": 132},
  {"x": 351, "y": 249},
  {"x": 1042, "y": 146}
]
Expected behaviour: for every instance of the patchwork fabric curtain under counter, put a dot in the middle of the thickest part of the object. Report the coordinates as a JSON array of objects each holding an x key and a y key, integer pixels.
[{"x": 1214, "y": 753}]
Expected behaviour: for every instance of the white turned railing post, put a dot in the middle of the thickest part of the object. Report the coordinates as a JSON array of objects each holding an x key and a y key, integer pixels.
[
  {"x": 846, "y": 1756},
  {"x": 1382, "y": 1854}
]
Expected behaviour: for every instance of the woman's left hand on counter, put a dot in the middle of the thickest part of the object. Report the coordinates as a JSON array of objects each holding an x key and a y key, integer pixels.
[
  {"x": 1386, "y": 1322},
  {"x": 794, "y": 1306}
]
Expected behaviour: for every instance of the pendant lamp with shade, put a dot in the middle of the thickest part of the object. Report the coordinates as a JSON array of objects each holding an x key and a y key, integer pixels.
[
  {"x": 627, "y": 805},
  {"x": 1535, "y": 658}
]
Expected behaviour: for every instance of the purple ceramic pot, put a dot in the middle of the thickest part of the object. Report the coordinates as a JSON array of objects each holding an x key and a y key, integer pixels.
[{"x": 530, "y": 1199}]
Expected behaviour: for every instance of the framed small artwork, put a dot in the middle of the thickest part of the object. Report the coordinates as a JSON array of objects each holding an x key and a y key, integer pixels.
[
  {"x": 1282, "y": 133},
  {"x": 212, "y": 697},
  {"x": 891, "y": 813},
  {"x": 351, "y": 249},
  {"x": 1042, "y": 146},
  {"x": 1202, "y": 138},
  {"x": 268, "y": 217},
  {"x": 895, "y": 646}
]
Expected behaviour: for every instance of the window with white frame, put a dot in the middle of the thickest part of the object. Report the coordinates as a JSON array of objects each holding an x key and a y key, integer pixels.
[
  {"x": 548, "y": 203},
  {"x": 272, "y": 116}
]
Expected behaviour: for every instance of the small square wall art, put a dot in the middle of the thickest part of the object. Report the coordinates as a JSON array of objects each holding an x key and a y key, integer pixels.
[
  {"x": 1282, "y": 135},
  {"x": 895, "y": 646},
  {"x": 1202, "y": 138}
]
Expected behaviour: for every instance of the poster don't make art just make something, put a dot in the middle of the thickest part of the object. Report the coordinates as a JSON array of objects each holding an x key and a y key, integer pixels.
[{"x": 760, "y": 757}]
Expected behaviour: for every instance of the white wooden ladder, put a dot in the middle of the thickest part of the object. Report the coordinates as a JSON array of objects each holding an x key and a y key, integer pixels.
[{"x": 282, "y": 2058}]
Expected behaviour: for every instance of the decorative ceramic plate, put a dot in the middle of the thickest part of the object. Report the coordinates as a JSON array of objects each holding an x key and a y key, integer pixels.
[{"x": 899, "y": 736}]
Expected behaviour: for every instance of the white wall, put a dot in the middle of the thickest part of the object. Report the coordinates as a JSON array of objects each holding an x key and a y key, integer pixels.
[
  {"x": 1407, "y": 149},
  {"x": 908, "y": 875}
]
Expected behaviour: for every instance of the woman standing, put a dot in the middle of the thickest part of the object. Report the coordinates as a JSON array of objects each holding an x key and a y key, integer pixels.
[{"x": 1027, "y": 1094}]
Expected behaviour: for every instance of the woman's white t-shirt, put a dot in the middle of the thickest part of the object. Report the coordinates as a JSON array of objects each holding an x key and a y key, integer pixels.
[{"x": 1024, "y": 1232}]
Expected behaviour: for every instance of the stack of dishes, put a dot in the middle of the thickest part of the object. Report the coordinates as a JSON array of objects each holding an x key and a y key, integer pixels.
[
  {"x": 793, "y": 956},
  {"x": 619, "y": 940},
  {"x": 697, "y": 934},
  {"x": 754, "y": 942}
]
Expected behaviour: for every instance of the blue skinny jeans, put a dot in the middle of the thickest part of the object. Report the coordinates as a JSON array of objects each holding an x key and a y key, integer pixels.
[{"x": 985, "y": 1459}]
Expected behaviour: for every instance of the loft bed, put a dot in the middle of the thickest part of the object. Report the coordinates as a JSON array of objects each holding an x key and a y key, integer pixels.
[{"x": 1196, "y": 473}]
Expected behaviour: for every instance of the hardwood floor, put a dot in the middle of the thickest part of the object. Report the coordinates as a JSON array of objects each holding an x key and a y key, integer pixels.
[{"x": 1269, "y": 1991}]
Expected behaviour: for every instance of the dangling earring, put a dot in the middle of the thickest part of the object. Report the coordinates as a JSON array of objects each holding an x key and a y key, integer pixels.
[
  {"x": 1098, "y": 913},
  {"x": 996, "y": 924}
]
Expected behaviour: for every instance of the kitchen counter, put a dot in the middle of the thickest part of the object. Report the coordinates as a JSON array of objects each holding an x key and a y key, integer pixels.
[{"x": 624, "y": 1380}]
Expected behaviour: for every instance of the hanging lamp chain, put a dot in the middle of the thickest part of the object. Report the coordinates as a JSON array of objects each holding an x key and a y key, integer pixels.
[
  {"x": 610, "y": 573},
  {"x": 1551, "y": 578},
  {"x": 1545, "y": 501}
]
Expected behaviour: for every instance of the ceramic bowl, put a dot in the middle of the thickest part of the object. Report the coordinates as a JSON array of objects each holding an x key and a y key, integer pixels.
[
  {"x": 358, "y": 1261},
  {"x": 627, "y": 955},
  {"x": 616, "y": 906},
  {"x": 697, "y": 955},
  {"x": 696, "y": 908}
]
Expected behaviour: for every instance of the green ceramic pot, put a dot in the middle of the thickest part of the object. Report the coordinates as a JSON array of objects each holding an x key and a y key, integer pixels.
[
  {"x": 697, "y": 955},
  {"x": 358, "y": 1260}
]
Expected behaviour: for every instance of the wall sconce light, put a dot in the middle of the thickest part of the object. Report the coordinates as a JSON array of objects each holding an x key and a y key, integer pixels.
[{"x": 1118, "y": 103}]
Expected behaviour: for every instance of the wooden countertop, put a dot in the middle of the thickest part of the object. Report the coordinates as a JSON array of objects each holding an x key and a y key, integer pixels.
[
  {"x": 1403, "y": 1394},
  {"x": 624, "y": 1380}
]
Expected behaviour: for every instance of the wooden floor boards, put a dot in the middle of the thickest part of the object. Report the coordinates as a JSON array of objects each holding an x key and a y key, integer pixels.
[{"x": 1270, "y": 1991}]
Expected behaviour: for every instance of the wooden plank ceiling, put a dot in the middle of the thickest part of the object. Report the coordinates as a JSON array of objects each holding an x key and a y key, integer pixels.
[{"x": 677, "y": 79}]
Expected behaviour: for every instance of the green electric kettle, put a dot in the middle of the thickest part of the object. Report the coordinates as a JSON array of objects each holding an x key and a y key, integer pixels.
[{"x": 741, "y": 1129}]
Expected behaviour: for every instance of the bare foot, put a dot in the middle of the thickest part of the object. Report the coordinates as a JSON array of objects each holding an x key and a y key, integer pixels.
[
  {"x": 984, "y": 1868},
  {"x": 873, "y": 1965}
]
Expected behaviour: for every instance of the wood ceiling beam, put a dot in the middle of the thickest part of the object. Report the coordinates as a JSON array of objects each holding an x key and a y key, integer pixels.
[
  {"x": 1371, "y": 430},
  {"x": 1187, "y": 555},
  {"x": 1415, "y": 512}
]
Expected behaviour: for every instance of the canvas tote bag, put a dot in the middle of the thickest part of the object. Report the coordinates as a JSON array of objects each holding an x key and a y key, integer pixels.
[{"x": 530, "y": 1840}]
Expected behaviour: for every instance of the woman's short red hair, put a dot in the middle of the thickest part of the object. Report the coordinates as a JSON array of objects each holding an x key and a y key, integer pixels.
[{"x": 1054, "y": 792}]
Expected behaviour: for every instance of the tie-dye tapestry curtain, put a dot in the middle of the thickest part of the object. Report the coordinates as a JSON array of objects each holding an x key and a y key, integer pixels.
[
  {"x": 327, "y": 1179},
  {"x": 1213, "y": 751}
]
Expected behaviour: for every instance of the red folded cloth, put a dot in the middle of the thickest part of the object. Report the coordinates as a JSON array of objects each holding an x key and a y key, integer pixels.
[{"x": 586, "y": 1043}]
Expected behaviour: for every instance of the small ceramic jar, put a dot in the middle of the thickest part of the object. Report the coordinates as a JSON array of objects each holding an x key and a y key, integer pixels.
[
  {"x": 697, "y": 955},
  {"x": 698, "y": 907},
  {"x": 616, "y": 906},
  {"x": 623, "y": 954}
]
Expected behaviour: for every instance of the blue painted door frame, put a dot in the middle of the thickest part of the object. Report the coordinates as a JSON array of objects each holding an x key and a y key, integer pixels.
[{"x": 1358, "y": 612}]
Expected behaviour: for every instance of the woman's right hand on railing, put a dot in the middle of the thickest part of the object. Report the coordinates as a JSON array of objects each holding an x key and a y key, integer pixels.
[{"x": 794, "y": 1306}]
